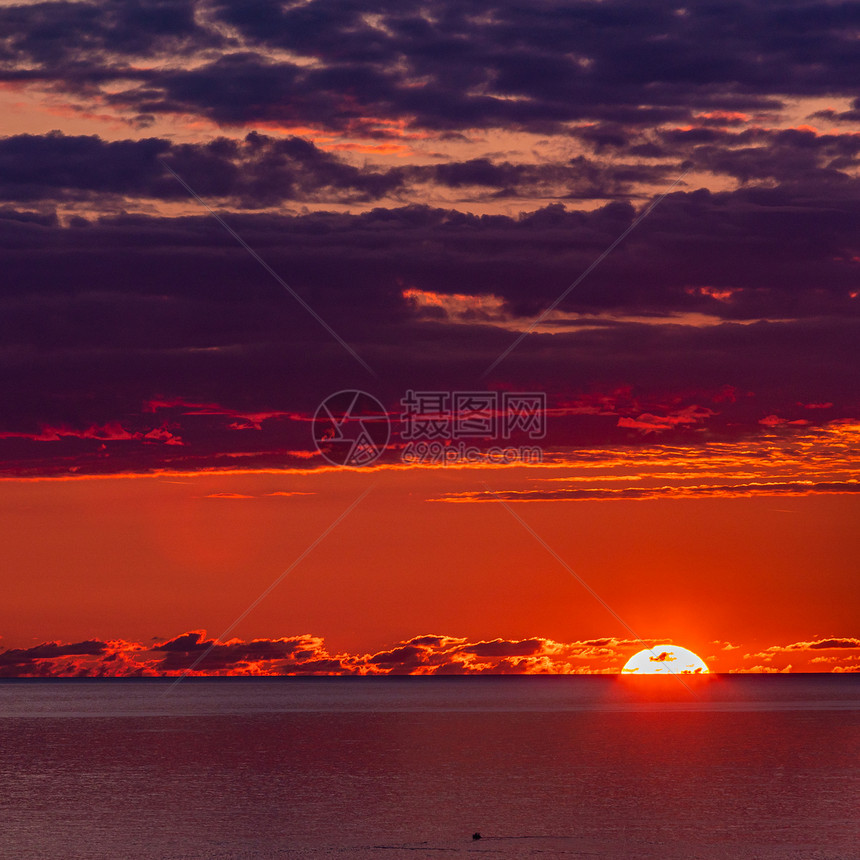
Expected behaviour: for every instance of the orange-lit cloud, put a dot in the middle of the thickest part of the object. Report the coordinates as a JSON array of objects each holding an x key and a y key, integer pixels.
[
  {"x": 308, "y": 655},
  {"x": 819, "y": 644},
  {"x": 289, "y": 493},
  {"x": 456, "y": 307},
  {"x": 723, "y": 117},
  {"x": 652, "y": 423},
  {"x": 774, "y": 488},
  {"x": 776, "y": 421},
  {"x": 370, "y": 148},
  {"x": 721, "y": 294},
  {"x": 429, "y": 654}
]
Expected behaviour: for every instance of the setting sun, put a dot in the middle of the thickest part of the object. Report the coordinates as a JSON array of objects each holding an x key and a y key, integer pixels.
[{"x": 665, "y": 659}]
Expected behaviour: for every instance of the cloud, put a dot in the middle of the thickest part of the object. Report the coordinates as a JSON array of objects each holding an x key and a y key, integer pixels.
[
  {"x": 751, "y": 488},
  {"x": 260, "y": 171},
  {"x": 254, "y": 172},
  {"x": 652, "y": 423},
  {"x": 812, "y": 655},
  {"x": 51, "y": 650},
  {"x": 112, "y": 431},
  {"x": 818, "y": 644},
  {"x": 78, "y": 659},
  {"x": 537, "y": 66},
  {"x": 112, "y": 300},
  {"x": 90, "y": 346},
  {"x": 308, "y": 655},
  {"x": 768, "y": 670},
  {"x": 427, "y": 654},
  {"x": 94, "y": 32},
  {"x": 291, "y": 655},
  {"x": 503, "y": 648}
]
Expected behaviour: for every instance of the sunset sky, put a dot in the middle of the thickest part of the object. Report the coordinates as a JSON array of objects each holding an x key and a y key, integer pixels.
[{"x": 400, "y": 191}]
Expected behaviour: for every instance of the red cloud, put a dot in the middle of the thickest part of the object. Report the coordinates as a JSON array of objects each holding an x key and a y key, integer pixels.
[
  {"x": 113, "y": 431},
  {"x": 652, "y": 423},
  {"x": 776, "y": 421},
  {"x": 246, "y": 420}
]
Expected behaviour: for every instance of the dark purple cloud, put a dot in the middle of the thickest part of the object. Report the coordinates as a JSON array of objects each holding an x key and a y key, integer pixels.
[
  {"x": 505, "y": 648},
  {"x": 304, "y": 654},
  {"x": 255, "y": 172},
  {"x": 260, "y": 171},
  {"x": 752, "y": 290},
  {"x": 101, "y": 317},
  {"x": 534, "y": 65},
  {"x": 43, "y": 659}
]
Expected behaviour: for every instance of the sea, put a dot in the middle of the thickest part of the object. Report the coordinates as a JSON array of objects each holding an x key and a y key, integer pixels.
[{"x": 724, "y": 766}]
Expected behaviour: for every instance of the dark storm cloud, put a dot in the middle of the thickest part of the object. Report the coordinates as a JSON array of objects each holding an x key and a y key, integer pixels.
[{"x": 346, "y": 64}]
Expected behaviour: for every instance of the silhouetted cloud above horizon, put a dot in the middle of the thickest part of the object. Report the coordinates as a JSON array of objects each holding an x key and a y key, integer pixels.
[{"x": 420, "y": 655}]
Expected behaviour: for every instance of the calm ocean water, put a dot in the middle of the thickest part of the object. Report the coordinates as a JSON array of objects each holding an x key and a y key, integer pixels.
[{"x": 741, "y": 767}]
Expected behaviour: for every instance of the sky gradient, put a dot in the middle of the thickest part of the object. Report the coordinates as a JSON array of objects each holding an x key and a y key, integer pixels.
[{"x": 215, "y": 215}]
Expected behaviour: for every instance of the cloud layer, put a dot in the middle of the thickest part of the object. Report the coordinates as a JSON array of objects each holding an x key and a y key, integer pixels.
[
  {"x": 427, "y": 181},
  {"x": 193, "y": 654},
  {"x": 346, "y": 64}
]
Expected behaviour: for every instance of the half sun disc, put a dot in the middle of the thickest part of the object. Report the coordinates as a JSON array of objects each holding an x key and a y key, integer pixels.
[{"x": 665, "y": 659}]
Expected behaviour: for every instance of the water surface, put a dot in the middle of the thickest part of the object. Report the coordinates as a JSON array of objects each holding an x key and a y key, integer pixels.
[{"x": 585, "y": 766}]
